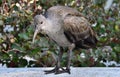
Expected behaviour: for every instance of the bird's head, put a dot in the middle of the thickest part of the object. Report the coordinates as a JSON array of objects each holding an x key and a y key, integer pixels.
[{"x": 40, "y": 24}]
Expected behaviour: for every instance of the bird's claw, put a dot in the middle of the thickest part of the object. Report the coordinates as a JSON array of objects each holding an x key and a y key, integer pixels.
[
  {"x": 67, "y": 70},
  {"x": 57, "y": 70}
]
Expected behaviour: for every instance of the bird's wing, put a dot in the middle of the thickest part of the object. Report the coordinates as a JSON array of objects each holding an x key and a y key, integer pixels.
[{"x": 78, "y": 30}]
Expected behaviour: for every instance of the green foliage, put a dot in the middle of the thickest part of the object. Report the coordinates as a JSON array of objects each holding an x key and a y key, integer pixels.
[{"x": 15, "y": 45}]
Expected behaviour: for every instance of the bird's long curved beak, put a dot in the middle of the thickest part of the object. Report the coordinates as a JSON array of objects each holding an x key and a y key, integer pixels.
[{"x": 35, "y": 33}]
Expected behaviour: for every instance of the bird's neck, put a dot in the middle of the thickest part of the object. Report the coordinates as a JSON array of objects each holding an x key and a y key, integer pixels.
[{"x": 53, "y": 26}]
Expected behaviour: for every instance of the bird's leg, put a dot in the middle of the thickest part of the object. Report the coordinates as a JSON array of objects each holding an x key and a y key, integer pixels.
[
  {"x": 57, "y": 70},
  {"x": 69, "y": 52}
]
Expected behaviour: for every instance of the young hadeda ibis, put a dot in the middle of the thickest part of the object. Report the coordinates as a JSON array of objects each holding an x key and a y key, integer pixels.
[{"x": 68, "y": 28}]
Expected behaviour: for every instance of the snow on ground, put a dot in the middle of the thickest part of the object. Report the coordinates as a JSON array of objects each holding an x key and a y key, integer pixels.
[{"x": 2, "y": 66}]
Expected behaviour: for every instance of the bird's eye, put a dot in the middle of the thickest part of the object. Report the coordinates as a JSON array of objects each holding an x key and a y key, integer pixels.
[{"x": 41, "y": 22}]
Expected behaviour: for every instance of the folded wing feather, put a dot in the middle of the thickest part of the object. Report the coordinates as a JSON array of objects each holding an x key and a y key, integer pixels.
[{"x": 78, "y": 30}]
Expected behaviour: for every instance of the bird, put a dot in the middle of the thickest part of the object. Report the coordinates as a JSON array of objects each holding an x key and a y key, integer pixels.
[{"x": 68, "y": 28}]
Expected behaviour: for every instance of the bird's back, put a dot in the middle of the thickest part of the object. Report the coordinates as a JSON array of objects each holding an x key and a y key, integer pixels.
[{"x": 61, "y": 11}]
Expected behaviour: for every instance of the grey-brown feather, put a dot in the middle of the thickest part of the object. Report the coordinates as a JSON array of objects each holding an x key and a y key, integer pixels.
[
  {"x": 61, "y": 12},
  {"x": 76, "y": 27},
  {"x": 78, "y": 30}
]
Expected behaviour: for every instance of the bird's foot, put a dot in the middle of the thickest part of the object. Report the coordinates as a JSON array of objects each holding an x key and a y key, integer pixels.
[
  {"x": 67, "y": 70},
  {"x": 57, "y": 70}
]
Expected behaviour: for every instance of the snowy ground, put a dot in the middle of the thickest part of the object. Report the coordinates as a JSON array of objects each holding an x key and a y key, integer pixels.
[
  {"x": 2, "y": 66},
  {"x": 75, "y": 72}
]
